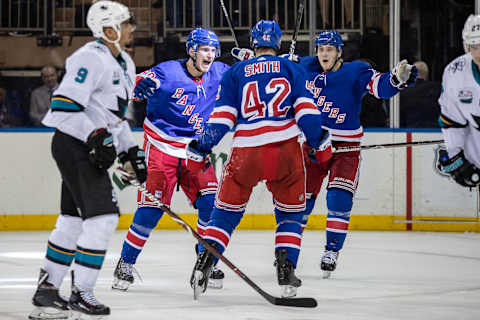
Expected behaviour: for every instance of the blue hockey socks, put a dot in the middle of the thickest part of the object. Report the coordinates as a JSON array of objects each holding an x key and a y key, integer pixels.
[
  {"x": 288, "y": 234},
  {"x": 220, "y": 228},
  {"x": 339, "y": 204},
  {"x": 144, "y": 221}
]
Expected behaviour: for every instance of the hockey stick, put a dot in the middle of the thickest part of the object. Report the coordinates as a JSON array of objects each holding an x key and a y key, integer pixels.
[
  {"x": 385, "y": 146},
  {"x": 290, "y": 302},
  {"x": 229, "y": 21},
  {"x": 301, "y": 5}
]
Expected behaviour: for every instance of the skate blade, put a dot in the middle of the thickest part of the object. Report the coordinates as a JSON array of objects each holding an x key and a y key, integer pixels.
[
  {"x": 197, "y": 289},
  {"x": 326, "y": 274},
  {"x": 215, "y": 283},
  {"x": 77, "y": 315},
  {"x": 48, "y": 313},
  {"x": 288, "y": 291},
  {"x": 121, "y": 285}
]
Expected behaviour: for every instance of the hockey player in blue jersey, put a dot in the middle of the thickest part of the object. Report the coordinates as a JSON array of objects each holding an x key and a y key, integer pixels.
[
  {"x": 180, "y": 96},
  {"x": 265, "y": 100},
  {"x": 338, "y": 88}
]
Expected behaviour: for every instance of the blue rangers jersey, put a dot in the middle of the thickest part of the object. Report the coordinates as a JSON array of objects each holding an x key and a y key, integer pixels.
[
  {"x": 339, "y": 94},
  {"x": 263, "y": 98},
  {"x": 179, "y": 108}
]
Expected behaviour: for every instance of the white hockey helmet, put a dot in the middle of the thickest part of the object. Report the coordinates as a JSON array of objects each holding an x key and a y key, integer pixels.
[
  {"x": 106, "y": 13},
  {"x": 471, "y": 31}
]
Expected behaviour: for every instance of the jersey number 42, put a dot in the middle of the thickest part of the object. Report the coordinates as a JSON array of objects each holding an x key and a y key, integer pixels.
[{"x": 253, "y": 101}]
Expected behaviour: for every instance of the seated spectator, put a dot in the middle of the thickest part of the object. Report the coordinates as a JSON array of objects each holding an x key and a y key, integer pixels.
[
  {"x": 12, "y": 114},
  {"x": 418, "y": 105},
  {"x": 3, "y": 108},
  {"x": 40, "y": 98}
]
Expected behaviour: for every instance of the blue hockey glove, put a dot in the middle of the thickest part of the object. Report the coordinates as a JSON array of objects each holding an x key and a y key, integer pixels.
[
  {"x": 197, "y": 160},
  {"x": 294, "y": 57},
  {"x": 242, "y": 54},
  {"x": 133, "y": 162},
  {"x": 102, "y": 152},
  {"x": 403, "y": 75},
  {"x": 459, "y": 168},
  {"x": 145, "y": 87}
]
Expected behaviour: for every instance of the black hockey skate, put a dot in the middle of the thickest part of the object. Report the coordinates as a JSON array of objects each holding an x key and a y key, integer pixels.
[
  {"x": 47, "y": 301},
  {"x": 328, "y": 262},
  {"x": 123, "y": 275},
  {"x": 84, "y": 302},
  {"x": 201, "y": 272},
  {"x": 216, "y": 277},
  {"x": 286, "y": 275}
]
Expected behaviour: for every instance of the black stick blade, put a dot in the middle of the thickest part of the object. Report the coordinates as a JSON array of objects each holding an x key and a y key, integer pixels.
[{"x": 295, "y": 302}]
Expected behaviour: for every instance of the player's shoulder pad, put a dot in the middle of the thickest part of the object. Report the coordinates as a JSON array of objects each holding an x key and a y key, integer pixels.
[
  {"x": 310, "y": 63},
  {"x": 457, "y": 65},
  {"x": 218, "y": 68},
  {"x": 169, "y": 69},
  {"x": 90, "y": 54}
]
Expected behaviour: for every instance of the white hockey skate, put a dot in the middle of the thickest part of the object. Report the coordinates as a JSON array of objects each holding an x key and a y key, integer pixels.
[{"x": 328, "y": 263}]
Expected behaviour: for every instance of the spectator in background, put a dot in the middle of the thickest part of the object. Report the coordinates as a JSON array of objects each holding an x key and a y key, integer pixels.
[
  {"x": 12, "y": 110},
  {"x": 40, "y": 98},
  {"x": 418, "y": 105},
  {"x": 3, "y": 108}
]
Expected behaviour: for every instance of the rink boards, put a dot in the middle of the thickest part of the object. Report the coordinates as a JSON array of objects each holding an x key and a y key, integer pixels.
[{"x": 399, "y": 188}]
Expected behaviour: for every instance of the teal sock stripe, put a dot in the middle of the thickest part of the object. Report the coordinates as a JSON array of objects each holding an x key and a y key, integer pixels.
[
  {"x": 90, "y": 258},
  {"x": 59, "y": 255}
]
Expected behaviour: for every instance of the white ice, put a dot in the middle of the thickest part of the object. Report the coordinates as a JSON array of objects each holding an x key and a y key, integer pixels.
[{"x": 381, "y": 275}]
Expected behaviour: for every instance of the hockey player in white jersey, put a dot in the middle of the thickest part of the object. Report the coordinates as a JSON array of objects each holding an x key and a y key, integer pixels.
[
  {"x": 87, "y": 112},
  {"x": 460, "y": 111}
]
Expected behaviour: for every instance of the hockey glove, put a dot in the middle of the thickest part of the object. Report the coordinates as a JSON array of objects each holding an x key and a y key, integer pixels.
[
  {"x": 294, "y": 57},
  {"x": 133, "y": 162},
  {"x": 145, "y": 87},
  {"x": 242, "y": 54},
  {"x": 102, "y": 151},
  {"x": 197, "y": 160},
  {"x": 403, "y": 75},
  {"x": 462, "y": 171},
  {"x": 324, "y": 151}
]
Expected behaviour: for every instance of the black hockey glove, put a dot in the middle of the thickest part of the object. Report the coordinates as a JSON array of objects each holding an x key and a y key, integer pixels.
[
  {"x": 462, "y": 171},
  {"x": 102, "y": 151},
  {"x": 133, "y": 163}
]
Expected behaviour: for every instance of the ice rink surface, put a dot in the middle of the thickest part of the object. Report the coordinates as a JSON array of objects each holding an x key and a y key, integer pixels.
[{"x": 381, "y": 275}]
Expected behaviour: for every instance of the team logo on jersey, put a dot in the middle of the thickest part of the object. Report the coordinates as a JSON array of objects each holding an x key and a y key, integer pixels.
[
  {"x": 465, "y": 96},
  {"x": 188, "y": 110},
  {"x": 178, "y": 93},
  {"x": 182, "y": 101},
  {"x": 116, "y": 77}
]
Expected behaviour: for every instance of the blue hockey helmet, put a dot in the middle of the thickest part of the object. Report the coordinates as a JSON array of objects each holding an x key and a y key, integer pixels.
[
  {"x": 200, "y": 36},
  {"x": 329, "y": 37},
  {"x": 266, "y": 33}
]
